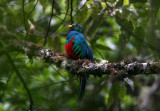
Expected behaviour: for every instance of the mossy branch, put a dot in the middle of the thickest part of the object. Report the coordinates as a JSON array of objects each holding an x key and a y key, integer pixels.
[{"x": 118, "y": 70}]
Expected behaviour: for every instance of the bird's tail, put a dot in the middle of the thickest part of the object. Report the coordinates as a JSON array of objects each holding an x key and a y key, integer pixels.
[{"x": 83, "y": 82}]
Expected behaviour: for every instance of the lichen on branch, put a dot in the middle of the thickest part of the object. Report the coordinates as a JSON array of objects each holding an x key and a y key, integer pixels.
[{"x": 117, "y": 70}]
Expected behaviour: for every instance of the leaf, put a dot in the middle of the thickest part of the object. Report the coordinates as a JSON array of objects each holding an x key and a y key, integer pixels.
[
  {"x": 139, "y": 1},
  {"x": 31, "y": 0},
  {"x": 43, "y": 3},
  {"x": 155, "y": 5},
  {"x": 139, "y": 38},
  {"x": 55, "y": 43},
  {"x": 82, "y": 15},
  {"x": 125, "y": 2},
  {"x": 117, "y": 91},
  {"x": 103, "y": 47},
  {"x": 103, "y": 4},
  {"x": 2, "y": 85},
  {"x": 79, "y": 3},
  {"x": 57, "y": 7},
  {"x": 91, "y": 23},
  {"x": 97, "y": 21},
  {"x": 119, "y": 3},
  {"x": 126, "y": 29},
  {"x": 123, "y": 39},
  {"x": 125, "y": 24}
]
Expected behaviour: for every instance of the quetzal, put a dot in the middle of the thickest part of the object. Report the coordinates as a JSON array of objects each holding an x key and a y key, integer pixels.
[{"x": 77, "y": 48}]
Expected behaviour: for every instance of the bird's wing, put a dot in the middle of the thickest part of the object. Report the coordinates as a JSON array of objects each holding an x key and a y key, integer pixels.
[{"x": 81, "y": 47}]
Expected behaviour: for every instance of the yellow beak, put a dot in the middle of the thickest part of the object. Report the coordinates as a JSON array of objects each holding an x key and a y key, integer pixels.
[{"x": 70, "y": 26}]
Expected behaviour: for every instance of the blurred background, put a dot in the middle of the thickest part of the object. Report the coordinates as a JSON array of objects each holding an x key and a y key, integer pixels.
[{"x": 116, "y": 30}]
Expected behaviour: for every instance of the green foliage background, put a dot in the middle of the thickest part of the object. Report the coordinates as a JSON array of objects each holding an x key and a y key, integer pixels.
[{"x": 116, "y": 30}]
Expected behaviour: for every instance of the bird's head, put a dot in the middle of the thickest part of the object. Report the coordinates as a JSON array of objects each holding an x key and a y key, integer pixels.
[{"x": 76, "y": 27}]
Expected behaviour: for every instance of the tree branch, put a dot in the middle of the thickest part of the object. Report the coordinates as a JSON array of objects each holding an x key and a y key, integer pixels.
[
  {"x": 45, "y": 38},
  {"x": 53, "y": 83},
  {"x": 32, "y": 9},
  {"x": 117, "y": 70},
  {"x": 24, "y": 18},
  {"x": 1, "y": 97},
  {"x": 64, "y": 16},
  {"x": 22, "y": 80},
  {"x": 20, "y": 77},
  {"x": 146, "y": 99},
  {"x": 71, "y": 12}
]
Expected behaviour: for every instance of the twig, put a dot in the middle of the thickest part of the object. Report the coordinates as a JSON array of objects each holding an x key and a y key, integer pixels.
[
  {"x": 27, "y": 3},
  {"x": 9, "y": 76},
  {"x": 95, "y": 49},
  {"x": 79, "y": 9},
  {"x": 48, "y": 85},
  {"x": 147, "y": 98},
  {"x": 58, "y": 17},
  {"x": 81, "y": 66},
  {"x": 6, "y": 85},
  {"x": 41, "y": 19},
  {"x": 64, "y": 17},
  {"x": 22, "y": 80},
  {"x": 32, "y": 9},
  {"x": 24, "y": 18},
  {"x": 58, "y": 72},
  {"x": 45, "y": 38},
  {"x": 71, "y": 12},
  {"x": 53, "y": 15}
]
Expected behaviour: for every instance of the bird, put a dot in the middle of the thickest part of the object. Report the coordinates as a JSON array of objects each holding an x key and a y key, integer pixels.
[{"x": 76, "y": 48}]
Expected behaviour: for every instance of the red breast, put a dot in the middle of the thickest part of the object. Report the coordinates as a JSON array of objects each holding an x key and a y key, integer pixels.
[{"x": 70, "y": 52}]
